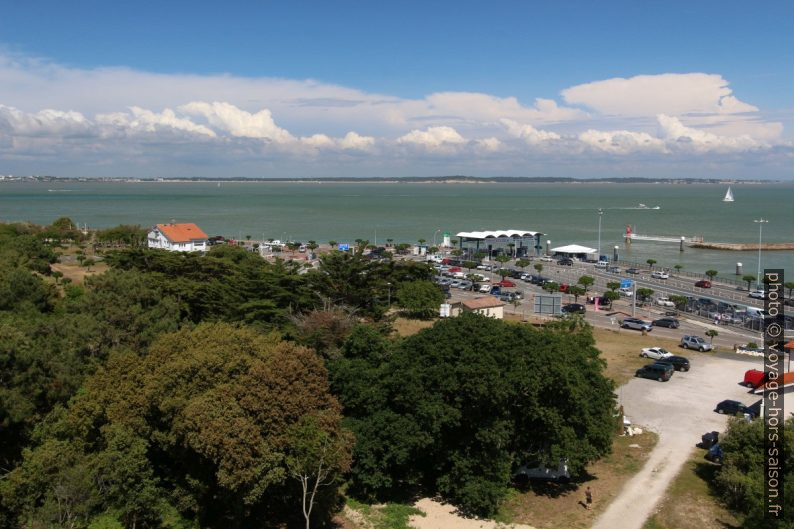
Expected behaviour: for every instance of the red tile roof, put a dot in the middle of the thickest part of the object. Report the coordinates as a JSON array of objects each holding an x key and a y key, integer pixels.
[
  {"x": 486, "y": 302},
  {"x": 181, "y": 232}
]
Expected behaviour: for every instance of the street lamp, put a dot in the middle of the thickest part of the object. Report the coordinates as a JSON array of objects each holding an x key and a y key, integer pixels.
[
  {"x": 600, "y": 214},
  {"x": 760, "y": 223},
  {"x": 434, "y": 236}
]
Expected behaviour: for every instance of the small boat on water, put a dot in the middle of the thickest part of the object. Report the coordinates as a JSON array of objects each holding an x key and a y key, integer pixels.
[
  {"x": 643, "y": 206},
  {"x": 728, "y": 195}
]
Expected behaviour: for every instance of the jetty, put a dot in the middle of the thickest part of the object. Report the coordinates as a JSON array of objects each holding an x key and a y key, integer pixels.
[
  {"x": 744, "y": 247},
  {"x": 663, "y": 238}
]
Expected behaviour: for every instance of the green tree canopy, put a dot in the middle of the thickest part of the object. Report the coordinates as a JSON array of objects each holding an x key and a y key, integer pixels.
[
  {"x": 205, "y": 424},
  {"x": 420, "y": 299},
  {"x": 460, "y": 405}
]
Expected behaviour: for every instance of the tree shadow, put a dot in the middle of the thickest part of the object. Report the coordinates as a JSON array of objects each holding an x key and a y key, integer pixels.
[{"x": 551, "y": 489}]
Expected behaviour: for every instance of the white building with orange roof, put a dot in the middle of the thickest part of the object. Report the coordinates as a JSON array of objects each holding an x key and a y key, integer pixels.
[{"x": 178, "y": 238}]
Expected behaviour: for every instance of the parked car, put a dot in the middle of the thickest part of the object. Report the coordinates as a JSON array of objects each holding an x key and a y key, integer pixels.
[
  {"x": 547, "y": 259},
  {"x": 626, "y": 291},
  {"x": 518, "y": 294},
  {"x": 679, "y": 363},
  {"x": 695, "y": 342},
  {"x": 602, "y": 264},
  {"x": 757, "y": 294},
  {"x": 465, "y": 285},
  {"x": 732, "y": 407},
  {"x": 703, "y": 283},
  {"x": 753, "y": 378},
  {"x": 660, "y": 275},
  {"x": 507, "y": 297},
  {"x": 543, "y": 473},
  {"x": 485, "y": 289},
  {"x": 664, "y": 302},
  {"x": 637, "y": 324},
  {"x": 564, "y": 287},
  {"x": 565, "y": 261},
  {"x": 655, "y": 353},
  {"x": 634, "y": 271},
  {"x": 525, "y": 277},
  {"x": 670, "y": 323},
  {"x": 660, "y": 372},
  {"x": 574, "y": 308},
  {"x": 613, "y": 269}
]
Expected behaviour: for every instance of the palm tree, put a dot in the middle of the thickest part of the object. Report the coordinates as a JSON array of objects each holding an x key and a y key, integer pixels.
[
  {"x": 586, "y": 282},
  {"x": 613, "y": 285},
  {"x": 332, "y": 244},
  {"x": 749, "y": 278},
  {"x": 711, "y": 333},
  {"x": 711, "y": 274},
  {"x": 576, "y": 291},
  {"x": 422, "y": 242},
  {"x": 539, "y": 267},
  {"x": 678, "y": 268},
  {"x": 389, "y": 241},
  {"x": 651, "y": 262}
]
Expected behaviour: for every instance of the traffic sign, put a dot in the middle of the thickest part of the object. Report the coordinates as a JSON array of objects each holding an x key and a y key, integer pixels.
[
  {"x": 343, "y": 247},
  {"x": 626, "y": 283}
]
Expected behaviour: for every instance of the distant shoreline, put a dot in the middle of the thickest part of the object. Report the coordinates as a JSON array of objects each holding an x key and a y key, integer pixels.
[{"x": 403, "y": 180}]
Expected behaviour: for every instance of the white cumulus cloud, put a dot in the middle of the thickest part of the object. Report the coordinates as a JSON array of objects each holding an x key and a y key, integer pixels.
[
  {"x": 238, "y": 122},
  {"x": 433, "y": 137},
  {"x": 649, "y": 95},
  {"x": 621, "y": 141},
  {"x": 702, "y": 141},
  {"x": 527, "y": 132},
  {"x": 146, "y": 121},
  {"x": 47, "y": 122},
  {"x": 353, "y": 140}
]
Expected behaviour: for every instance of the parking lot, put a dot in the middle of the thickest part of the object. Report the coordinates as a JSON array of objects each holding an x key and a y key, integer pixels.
[{"x": 679, "y": 411}]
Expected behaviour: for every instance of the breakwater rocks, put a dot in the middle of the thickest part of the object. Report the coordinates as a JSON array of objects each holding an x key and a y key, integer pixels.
[{"x": 740, "y": 247}]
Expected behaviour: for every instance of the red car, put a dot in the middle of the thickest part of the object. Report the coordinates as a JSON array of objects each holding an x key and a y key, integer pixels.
[
  {"x": 506, "y": 283},
  {"x": 754, "y": 378},
  {"x": 703, "y": 283},
  {"x": 564, "y": 288}
]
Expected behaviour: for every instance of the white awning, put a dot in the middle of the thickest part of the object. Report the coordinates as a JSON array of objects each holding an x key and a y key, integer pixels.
[
  {"x": 497, "y": 234},
  {"x": 574, "y": 248}
]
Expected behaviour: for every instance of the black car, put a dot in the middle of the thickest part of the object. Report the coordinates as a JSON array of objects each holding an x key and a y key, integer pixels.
[
  {"x": 660, "y": 372},
  {"x": 679, "y": 363},
  {"x": 634, "y": 271},
  {"x": 515, "y": 274},
  {"x": 732, "y": 407},
  {"x": 565, "y": 261},
  {"x": 670, "y": 323},
  {"x": 574, "y": 308}
]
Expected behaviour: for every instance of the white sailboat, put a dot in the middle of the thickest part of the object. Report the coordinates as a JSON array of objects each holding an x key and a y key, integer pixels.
[{"x": 728, "y": 195}]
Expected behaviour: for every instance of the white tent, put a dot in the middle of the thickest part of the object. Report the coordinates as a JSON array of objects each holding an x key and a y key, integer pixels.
[{"x": 574, "y": 249}]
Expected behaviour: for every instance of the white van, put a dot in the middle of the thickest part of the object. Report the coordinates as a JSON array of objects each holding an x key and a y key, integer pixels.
[{"x": 755, "y": 312}]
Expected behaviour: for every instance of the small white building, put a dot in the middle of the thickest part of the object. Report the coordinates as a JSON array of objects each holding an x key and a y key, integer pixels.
[
  {"x": 487, "y": 306},
  {"x": 178, "y": 238}
]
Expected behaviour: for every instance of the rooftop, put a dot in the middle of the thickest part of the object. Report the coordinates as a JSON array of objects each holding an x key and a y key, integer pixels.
[
  {"x": 485, "y": 302},
  {"x": 495, "y": 234},
  {"x": 181, "y": 232}
]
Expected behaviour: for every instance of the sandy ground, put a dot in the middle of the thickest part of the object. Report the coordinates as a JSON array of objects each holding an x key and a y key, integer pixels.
[
  {"x": 442, "y": 516},
  {"x": 680, "y": 411}
]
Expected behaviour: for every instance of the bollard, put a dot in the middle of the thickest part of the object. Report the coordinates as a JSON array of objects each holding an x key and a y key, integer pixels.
[
  {"x": 681, "y": 248},
  {"x": 738, "y": 269}
]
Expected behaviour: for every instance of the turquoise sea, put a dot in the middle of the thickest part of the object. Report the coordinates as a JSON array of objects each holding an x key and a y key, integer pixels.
[{"x": 405, "y": 212}]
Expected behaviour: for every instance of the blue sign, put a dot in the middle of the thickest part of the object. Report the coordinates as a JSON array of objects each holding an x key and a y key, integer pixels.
[
  {"x": 626, "y": 283},
  {"x": 343, "y": 247}
]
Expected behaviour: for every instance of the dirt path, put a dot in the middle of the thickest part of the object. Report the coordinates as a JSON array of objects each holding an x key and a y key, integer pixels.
[
  {"x": 640, "y": 495},
  {"x": 442, "y": 516}
]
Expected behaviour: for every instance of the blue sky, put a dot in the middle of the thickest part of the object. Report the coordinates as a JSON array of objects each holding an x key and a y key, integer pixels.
[{"x": 424, "y": 87}]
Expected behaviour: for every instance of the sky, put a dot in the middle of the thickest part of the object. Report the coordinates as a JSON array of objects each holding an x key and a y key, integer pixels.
[{"x": 370, "y": 89}]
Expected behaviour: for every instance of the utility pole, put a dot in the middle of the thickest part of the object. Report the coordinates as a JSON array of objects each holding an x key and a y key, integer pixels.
[
  {"x": 600, "y": 214},
  {"x": 760, "y": 223}
]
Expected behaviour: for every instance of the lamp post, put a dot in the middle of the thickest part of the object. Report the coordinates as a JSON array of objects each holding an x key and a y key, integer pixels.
[
  {"x": 600, "y": 214},
  {"x": 434, "y": 236},
  {"x": 548, "y": 243},
  {"x": 760, "y": 223}
]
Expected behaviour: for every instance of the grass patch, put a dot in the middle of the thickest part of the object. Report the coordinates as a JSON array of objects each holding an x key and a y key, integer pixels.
[
  {"x": 408, "y": 327},
  {"x": 621, "y": 350},
  {"x": 556, "y": 506},
  {"x": 386, "y": 516},
  {"x": 689, "y": 502},
  {"x": 78, "y": 273}
]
